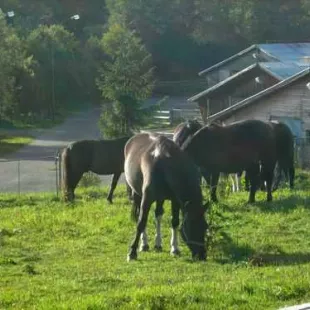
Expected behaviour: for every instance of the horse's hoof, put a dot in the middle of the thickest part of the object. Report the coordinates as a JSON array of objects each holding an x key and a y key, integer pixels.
[
  {"x": 175, "y": 252},
  {"x": 158, "y": 248},
  {"x": 145, "y": 248},
  {"x": 132, "y": 256},
  {"x": 110, "y": 200}
]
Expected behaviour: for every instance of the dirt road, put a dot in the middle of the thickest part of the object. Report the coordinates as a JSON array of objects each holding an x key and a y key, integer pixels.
[{"x": 32, "y": 168}]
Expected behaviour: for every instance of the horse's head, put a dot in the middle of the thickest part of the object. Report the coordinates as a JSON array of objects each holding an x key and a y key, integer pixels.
[
  {"x": 185, "y": 131},
  {"x": 193, "y": 230}
]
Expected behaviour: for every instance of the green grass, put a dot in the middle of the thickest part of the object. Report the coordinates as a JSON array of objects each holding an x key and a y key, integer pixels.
[
  {"x": 60, "y": 256},
  {"x": 12, "y": 143}
]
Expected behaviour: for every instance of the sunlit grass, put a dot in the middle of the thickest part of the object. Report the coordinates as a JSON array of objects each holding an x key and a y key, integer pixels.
[
  {"x": 12, "y": 143},
  {"x": 73, "y": 256}
]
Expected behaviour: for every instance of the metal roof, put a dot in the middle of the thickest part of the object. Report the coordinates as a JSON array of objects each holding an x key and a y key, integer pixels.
[
  {"x": 287, "y": 52},
  {"x": 294, "y": 58},
  {"x": 280, "y": 70}
]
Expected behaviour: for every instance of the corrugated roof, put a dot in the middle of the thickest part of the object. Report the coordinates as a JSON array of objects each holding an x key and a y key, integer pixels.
[
  {"x": 287, "y": 52},
  {"x": 294, "y": 55},
  {"x": 280, "y": 70}
]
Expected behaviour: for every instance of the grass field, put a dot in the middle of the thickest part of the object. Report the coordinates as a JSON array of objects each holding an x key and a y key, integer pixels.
[
  {"x": 12, "y": 143},
  {"x": 59, "y": 256}
]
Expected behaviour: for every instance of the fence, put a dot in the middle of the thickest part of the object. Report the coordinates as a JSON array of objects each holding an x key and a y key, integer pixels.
[
  {"x": 177, "y": 115},
  {"x": 44, "y": 174}
]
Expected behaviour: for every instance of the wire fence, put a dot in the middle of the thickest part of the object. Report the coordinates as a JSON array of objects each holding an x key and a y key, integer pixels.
[{"x": 44, "y": 174}]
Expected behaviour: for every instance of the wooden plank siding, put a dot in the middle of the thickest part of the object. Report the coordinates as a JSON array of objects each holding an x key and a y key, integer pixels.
[
  {"x": 229, "y": 95},
  {"x": 293, "y": 102}
]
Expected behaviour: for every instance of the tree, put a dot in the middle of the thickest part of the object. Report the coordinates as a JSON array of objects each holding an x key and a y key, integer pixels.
[
  {"x": 57, "y": 79},
  {"x": 14, "y": 62},
  {"x": 126, "y": 81}
]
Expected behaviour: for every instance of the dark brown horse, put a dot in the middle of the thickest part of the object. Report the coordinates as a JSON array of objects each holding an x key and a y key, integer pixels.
[
  {"x": 103, "y": 157},
  {"x": 285, "y": 153},
  {"x": 185, "y": 131},
  {"x": 156, "y": 169},
  {"x": 233, "y": 148}
]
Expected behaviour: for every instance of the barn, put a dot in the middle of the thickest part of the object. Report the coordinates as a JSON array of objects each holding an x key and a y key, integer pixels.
[{"x": 274, "y": 87}]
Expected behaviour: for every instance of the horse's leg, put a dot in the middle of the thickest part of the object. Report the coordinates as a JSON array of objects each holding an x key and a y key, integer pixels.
[
  {"x": 291, "y": 173},
  {"x": 214, "y": 182},
  {"x": 129, "y": 191},
  {"x": 277, "y": 175},
  {"x": 74, "y": 181},
  {"x": 159, "y": 211},
  {"x": 247, "y": 181},
  {"x": 175, "y": 221},
  {"x": 141, "y": 225},
  {"x": 113, "y": 185},
  {"x": 237, "y": 181},
  {"x": 233, "y": 187},
  {"x": 206, "y": 176},
  {"x": 144, "y": 246},
  {"x": 267, "y": 173},
  {"x": 254, "y": 178}
]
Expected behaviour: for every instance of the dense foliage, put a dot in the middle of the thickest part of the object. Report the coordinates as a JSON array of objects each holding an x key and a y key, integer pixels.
[{"x": 50, "y": 60}]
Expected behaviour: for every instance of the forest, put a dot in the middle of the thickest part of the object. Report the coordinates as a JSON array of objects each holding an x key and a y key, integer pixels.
[{"x": 57, "y": 54}]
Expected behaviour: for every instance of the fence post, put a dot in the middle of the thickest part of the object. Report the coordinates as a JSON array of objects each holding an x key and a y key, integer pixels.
[
  {"x": 18, "y": 176},
  {"x": 59, "y": 170},
  {"x": 56, "y": 171}
]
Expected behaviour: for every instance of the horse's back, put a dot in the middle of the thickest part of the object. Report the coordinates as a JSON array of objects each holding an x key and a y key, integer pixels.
[
  {"x": 98, "y": 156},
  {"x": 233, "y": 147},
  {"x": 155, "y": 160}
]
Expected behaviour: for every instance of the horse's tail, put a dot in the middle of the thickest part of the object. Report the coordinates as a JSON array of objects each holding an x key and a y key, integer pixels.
[{"x": 65, "y": 157}]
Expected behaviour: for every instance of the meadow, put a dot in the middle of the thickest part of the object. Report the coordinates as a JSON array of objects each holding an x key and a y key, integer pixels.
[{"x": 55, "y": 255}]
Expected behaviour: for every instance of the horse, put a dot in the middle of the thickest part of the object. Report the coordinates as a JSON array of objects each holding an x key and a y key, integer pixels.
[
  {"x": 284, "y": 153},
  {"x": 184, "y": 131},
  {"x": 103, "y": 157},
  {"x": 157, "y": 170},
  {"x": 243, "y": 145}
]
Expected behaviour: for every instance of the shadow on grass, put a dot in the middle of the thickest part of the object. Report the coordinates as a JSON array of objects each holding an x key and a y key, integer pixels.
[
  {"x": 20, "y": 201},
  {"x": 284, "y": 205},
  {"x": 232, "y": 252}
]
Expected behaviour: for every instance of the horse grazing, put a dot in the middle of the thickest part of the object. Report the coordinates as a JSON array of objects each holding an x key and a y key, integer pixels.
[
  {"x": 156, "y": 170},
  {"x": 185, "y": 131},
  {"x": 103, "y": 157},
  {"x": 233, "y": 148}
]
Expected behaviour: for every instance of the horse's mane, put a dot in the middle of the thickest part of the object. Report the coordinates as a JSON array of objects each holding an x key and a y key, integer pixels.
[
  {"x": 164, "y": 146},
  {"x": 186, "y": 130}
]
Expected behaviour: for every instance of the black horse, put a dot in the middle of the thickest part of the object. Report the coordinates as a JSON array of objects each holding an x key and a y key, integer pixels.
[
  {"x": 284, "y": 153},
  {"x": 243, "y": 145},
  {"x": 103, "y": 157},
  {"x": 156, "y": 169}
]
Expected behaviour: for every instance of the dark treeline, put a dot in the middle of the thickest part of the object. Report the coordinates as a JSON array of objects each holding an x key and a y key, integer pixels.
[{"x": 51, "y": 58}]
